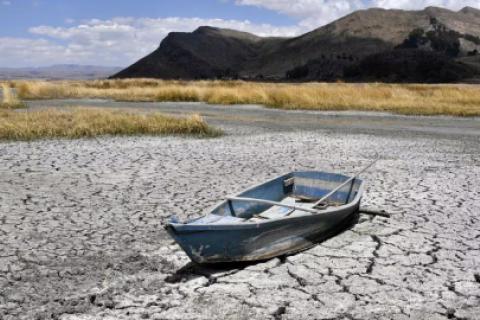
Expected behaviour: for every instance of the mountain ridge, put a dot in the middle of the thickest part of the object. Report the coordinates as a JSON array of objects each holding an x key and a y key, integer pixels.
[{"x": 450, "y": 38}]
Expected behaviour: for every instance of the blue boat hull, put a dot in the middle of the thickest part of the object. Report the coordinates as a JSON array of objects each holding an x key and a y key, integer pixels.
[{"x": 265, "y": 239}]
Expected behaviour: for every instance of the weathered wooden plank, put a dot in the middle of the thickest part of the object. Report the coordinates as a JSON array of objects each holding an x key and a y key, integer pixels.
[{"x": 273, "y": 203}]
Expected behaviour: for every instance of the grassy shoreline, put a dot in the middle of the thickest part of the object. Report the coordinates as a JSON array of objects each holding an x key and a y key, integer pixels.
[
  {"x": 407, "y": 99},
  {"x": 80, "y": 122}
]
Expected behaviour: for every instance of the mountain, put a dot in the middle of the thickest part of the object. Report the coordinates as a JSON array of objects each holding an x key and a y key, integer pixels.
[
  {"x": 351, "y": 48},
  {"x": 59, "y": 72}
]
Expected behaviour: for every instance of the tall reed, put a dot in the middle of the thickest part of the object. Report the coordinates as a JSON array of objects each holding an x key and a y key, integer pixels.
[{"x": 9, "y": 100}]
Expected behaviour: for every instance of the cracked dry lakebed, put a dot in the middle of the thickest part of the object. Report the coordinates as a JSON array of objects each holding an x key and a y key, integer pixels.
[{"x": 81, "y": 222}]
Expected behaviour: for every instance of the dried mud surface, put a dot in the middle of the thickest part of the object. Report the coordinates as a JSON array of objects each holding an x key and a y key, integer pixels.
[{"x": 81, "y": 232}]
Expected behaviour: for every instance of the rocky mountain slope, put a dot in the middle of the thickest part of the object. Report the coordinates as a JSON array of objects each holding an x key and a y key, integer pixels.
[{"x": 351, "y": 48}]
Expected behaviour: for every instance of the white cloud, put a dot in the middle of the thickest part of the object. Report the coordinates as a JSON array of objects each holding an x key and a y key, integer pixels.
[
  {"x": 21, "y": 51},
  {"x": 119, "y": 41},
  {"x": 314, "y": 13},
  {"x": 420, "y": 4},
  {"x": 322, "y": 11}
]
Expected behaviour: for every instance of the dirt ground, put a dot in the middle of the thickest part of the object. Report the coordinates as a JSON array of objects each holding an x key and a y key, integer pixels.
[{"x": 81, "y": 233}]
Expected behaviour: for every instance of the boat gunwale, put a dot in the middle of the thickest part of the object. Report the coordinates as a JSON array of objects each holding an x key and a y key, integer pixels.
[{"x": 182, "y": 227}]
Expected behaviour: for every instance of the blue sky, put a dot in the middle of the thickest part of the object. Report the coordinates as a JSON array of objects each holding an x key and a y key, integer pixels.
[
  {"x": 19, "y": 15},
  {"x": 119, "y": 32}
]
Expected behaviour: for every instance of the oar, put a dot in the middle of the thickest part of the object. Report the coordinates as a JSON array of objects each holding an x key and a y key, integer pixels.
[
  {"x": 331, "y": 193},
  {"x": 380, "y": 213}
]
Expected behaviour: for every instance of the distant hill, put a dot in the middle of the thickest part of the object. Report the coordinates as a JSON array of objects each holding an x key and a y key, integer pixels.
[
  {"x": 345, "y": 49},
  {"x": 59, "y": 72}
]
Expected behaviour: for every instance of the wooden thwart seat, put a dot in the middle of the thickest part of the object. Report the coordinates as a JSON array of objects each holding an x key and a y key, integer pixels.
[{"x": 278, "y": 212}]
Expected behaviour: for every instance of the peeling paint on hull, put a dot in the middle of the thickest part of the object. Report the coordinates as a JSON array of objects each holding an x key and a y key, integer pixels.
[{"x": 236, "y": 246}]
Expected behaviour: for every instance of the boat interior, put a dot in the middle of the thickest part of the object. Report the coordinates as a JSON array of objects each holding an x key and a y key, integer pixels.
[{"x": 293, "y": 192}]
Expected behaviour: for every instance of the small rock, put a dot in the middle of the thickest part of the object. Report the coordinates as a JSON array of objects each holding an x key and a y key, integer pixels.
[
  {"x": 109, "y": 304},
  {"x": 450, "y": 313},
  {"x": 16, "y": 277},
  {"x": 92, "y": 298}
]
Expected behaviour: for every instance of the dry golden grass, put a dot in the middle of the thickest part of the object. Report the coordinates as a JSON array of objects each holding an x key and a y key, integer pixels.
[
  {"x": 91, "y": 122},
  {"x": 412, "y": 99},
  {"x": 9, "y": 100}
]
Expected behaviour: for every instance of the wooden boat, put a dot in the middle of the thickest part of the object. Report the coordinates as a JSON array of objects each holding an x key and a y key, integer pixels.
[{"x": 283, "y": 216}]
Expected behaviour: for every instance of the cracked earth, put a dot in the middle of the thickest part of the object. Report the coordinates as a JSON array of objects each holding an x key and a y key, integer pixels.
[{"x": 81, "y": 233}]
